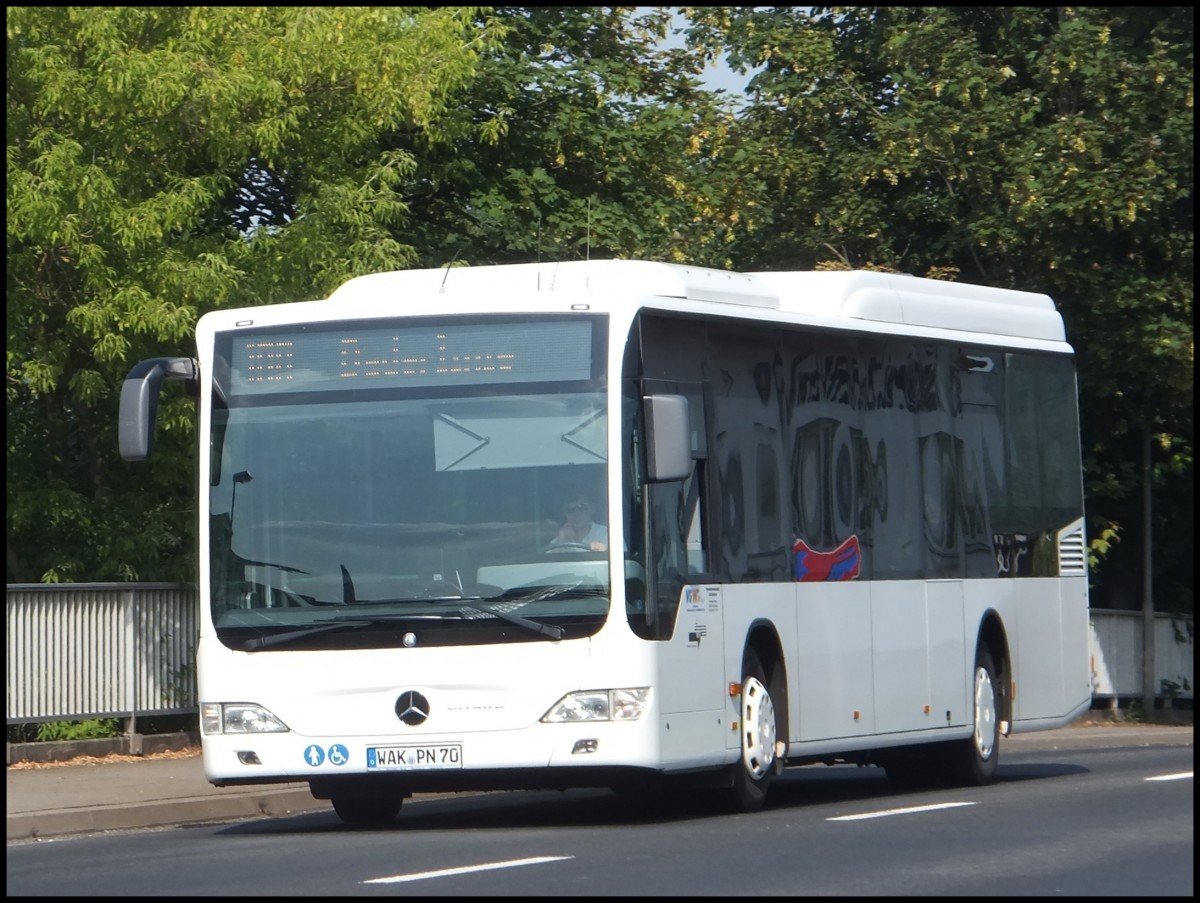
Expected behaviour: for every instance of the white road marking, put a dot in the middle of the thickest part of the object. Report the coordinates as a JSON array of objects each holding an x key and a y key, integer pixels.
[
  {"x": 884, "y": 813},
  {"x": 1171, "y": 777},
  {"x": 466, "y": 869}
]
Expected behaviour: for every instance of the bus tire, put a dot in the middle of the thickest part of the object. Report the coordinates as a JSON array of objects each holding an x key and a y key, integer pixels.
[
  {"x": 367, "y": 812},
  {"x": 972, "y": 762},
  {"x": 759, "y": 727}
]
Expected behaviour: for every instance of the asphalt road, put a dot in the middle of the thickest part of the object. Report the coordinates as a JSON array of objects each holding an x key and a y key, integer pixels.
[
  {"x": 117, "y": 793},
  {"x": 1082, "y": 812}
]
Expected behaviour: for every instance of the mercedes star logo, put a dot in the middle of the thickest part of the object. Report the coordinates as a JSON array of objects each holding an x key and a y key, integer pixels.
[{"x": 412, "y": 708}]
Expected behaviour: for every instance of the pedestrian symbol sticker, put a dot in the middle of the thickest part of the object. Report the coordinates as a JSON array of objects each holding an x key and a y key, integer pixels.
[{"x": 315, "y": 756}]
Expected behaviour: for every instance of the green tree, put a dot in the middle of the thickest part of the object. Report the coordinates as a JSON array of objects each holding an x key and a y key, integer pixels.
[
  {"x": 583, "y": 135},
  {"x": 1042, "y": 148},
  {"x": 164, "y": 162},
  {"x": 167, "y": 161}
]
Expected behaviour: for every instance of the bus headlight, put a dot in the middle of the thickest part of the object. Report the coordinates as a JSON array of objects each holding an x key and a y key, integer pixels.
[
  {"x": 238, "y": 718},
  {"x": 626, "y": 704}
]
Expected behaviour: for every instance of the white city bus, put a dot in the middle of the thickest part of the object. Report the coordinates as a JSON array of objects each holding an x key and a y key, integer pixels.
[{"x": 844, "y": 515}]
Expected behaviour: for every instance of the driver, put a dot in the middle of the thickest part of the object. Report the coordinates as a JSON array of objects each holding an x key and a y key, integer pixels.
[{"x": 579, "y": 527}]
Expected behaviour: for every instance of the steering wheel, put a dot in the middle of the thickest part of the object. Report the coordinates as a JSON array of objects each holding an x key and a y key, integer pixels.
[{"x": 559, "y": 547}]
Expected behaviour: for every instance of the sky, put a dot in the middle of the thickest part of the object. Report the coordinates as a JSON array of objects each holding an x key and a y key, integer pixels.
[{"x": 718, "y": 76}]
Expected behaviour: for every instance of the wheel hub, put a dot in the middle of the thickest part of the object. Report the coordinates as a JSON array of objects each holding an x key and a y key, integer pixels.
[{"x": 758, "y": 729}]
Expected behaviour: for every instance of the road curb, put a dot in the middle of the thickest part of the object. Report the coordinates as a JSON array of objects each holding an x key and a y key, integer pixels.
[
  {"x": 1099, "y": 736},
  {"x": 162, "y": 813},
  {"x": 124, "y": 745}
]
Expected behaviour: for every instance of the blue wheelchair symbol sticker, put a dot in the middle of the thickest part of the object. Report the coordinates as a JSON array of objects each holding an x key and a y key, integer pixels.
[
  {"x": 338, "y": 754},
  {"x": 314, "y": 755}
]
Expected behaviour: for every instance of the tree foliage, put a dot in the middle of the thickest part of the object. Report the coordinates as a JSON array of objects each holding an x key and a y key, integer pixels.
[
  {"x": 584, "y": 136},
  {"x": 1042, "y": 148},
  {"x": 140, "y": 140},
  {"x": 163, "y": 162}
]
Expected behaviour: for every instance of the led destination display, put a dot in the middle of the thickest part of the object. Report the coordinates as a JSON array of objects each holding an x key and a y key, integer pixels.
[{"x": 448, "y": 354}]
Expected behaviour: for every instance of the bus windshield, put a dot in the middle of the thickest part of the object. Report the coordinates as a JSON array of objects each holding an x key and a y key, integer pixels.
[{"x": 346, "y": 511}]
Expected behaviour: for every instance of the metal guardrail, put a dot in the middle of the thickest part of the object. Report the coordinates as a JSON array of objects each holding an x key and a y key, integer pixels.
[
  {"x": 100, "y": 650},
  {"x": 127, "y": 650}
]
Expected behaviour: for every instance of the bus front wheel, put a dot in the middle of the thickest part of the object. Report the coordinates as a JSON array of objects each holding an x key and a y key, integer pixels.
[
  {"x": 367, "y": 812},
  {"x": 759, "y": 729}
]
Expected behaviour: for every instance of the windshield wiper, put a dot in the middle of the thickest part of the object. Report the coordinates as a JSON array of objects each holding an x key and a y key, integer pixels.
[
  {"x": 489, "y": 606},
  {"x": 326, "y": 626},
  {"x": 520, "y": 595},
  {"x": 549, "y": 630},
  {"x": 265, "y": 564},
  {"x": 279, "y": 639},
  {"x": 480, "y": 604}
]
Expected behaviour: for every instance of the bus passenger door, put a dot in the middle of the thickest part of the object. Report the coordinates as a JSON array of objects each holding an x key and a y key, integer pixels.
[
  {"x": 684, "y": 610},
  {"x": 673, "y": 504}
]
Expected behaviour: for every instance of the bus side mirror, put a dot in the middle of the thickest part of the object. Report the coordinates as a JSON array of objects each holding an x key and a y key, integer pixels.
[
  {"x": 139, "y": 401},
  {"x": 668, "y": 438}
]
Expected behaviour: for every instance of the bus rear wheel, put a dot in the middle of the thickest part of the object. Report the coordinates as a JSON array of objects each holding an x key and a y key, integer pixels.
[
  {"x": 759, "y": 727},
  {"x": 367, "y": 812},
  {"x": 973, "y": 761}
]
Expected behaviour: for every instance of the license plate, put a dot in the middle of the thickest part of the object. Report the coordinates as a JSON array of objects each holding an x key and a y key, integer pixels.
[{"x": 415, "y": 756}]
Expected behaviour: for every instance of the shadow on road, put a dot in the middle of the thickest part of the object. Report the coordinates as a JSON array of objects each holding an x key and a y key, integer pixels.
[{"x": 795, "y": 789}]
